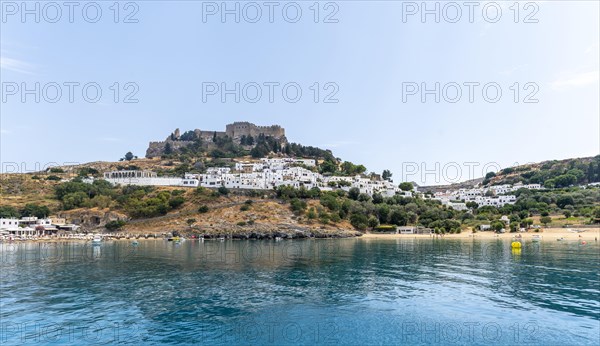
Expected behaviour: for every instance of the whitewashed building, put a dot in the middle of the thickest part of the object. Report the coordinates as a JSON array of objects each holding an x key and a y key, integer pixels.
[
  {"x": 457, "y": 205},
  {"x": 145, "y": 178},
  {"x": 266, "y": 174},
  {"x": 9, "y": 223}
]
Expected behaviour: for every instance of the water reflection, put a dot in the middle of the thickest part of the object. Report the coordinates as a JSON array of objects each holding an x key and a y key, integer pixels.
[{"x": 229, "y": 292}]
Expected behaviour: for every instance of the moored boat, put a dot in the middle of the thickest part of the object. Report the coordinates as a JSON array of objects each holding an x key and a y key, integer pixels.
[{"x": 97, "y": 240}]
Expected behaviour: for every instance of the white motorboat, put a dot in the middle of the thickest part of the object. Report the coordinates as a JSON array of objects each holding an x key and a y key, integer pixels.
[{"x": 97, "y": 240}]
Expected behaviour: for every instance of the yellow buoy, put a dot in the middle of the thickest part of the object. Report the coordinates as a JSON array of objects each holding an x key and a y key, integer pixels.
[{"x": 515, "y": 245}]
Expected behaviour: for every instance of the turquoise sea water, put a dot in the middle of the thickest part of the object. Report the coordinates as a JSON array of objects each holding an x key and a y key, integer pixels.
[{"x": 348, "y": 292}]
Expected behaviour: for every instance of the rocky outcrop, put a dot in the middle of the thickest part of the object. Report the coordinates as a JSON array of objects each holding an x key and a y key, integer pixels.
[
  {"x": 156, "y": 149},
  {"x": 91, "y": 219},
  {"x": 235, "y": 131}
]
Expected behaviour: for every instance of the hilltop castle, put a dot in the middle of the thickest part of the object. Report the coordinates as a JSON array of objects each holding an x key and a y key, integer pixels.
[{"x": 235, "y": 131}]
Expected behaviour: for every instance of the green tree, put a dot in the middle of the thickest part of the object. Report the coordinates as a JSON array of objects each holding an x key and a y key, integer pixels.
[
  {"x": 405, "y": 186},
  {"x": 114, "y": 225},
  {"x": 168, "y": 149},
  {"x": 383, "y": 212},
  {"x": 564, "y": 200},
  {"x": 472, "y": 205},
  {"x": 497, "y": 225},
  {"x": 176, "y": 201},
  {"x": 373, "y": 222},
  {"x": 359, "y": 221},
  {"x": 353, "y": 193},
  {"x": 36, "y": 210},
  {"x": 9, "y": 212},
  {"x": 314, "y": 192},
  {"x": 327, "y": 166},
  {"x": 596, "y": 216},
  {"x": 363, "y": 197},
  {"x": 377, "y": 198},
  {"x": 398, "y": 217},
  {"x": 129, "y": 156},
  {"x": 490, "y": 175},
  {"x": 527, "y": 223},
  {"x": 591, "y": 173},
  {"x": 298, "y": 206},
  {"x": 330, "y": 202},
  {"x": 545, "y": 220},
  {"x": 386, "y": 175},
  {"x": 260, "y": 150}
]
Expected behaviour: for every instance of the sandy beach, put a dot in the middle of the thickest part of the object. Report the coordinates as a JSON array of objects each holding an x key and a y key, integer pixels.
[
  {"x": 547, "y": 234},
  {"x": 588, "y": 234}
]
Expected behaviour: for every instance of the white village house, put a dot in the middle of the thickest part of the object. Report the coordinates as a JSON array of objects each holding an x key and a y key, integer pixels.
[
  {"x": 265, "y": 174},
  {"x": 269, "y": 173},
  {"x": 28, "y": 226}
]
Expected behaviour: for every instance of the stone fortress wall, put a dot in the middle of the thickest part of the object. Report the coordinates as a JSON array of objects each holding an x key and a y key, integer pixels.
[{"x": 239, "y": 129}]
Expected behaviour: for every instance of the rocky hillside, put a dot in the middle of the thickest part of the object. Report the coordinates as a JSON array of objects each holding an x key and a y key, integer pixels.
[
  {"x": 553, "y": 173},
  {"x": 241, "y": 214}
]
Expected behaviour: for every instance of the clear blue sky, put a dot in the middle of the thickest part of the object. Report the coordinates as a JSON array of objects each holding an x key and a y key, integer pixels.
[{"x": 368, "y": 53}]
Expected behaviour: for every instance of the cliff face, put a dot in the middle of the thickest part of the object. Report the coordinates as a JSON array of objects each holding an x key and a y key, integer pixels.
[
  {"x": 92, "y": 218},
  {"x": 156, "y": 149}
]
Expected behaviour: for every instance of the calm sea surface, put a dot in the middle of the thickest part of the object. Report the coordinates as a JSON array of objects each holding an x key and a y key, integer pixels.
[{"x": 350, "y": 291}]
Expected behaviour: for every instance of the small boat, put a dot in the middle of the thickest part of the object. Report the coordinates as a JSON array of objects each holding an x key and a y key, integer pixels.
[
  {"x": 515, "y": 245},
  {"x": 97, "y": 240},
  {"x": 536, "y": 237},
  {"x": 560, "y": 239},
  {"x": 135, "y": 243},
  {"x": 221, "y": 238},
  {"x": 278, "y": 239}
]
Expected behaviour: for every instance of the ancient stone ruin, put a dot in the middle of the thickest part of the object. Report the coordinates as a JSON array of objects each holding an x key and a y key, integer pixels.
[{"x": 235, "y": 131}]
